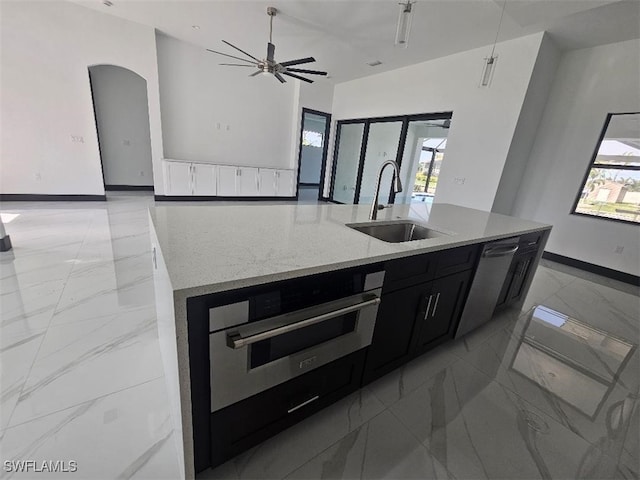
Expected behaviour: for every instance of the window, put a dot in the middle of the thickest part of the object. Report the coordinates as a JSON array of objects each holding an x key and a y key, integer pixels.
[
  {"x": 611, "y": 188},
  {"x": 312, "y": 139}
]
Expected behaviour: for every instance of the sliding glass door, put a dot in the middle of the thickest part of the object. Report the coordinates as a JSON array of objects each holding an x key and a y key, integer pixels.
[
  {"x": 422, "y": 157},
  {"x": 416, "y": 142},
  {"x": 345, "y": 177},
  {"x": 383, "y": 142}
]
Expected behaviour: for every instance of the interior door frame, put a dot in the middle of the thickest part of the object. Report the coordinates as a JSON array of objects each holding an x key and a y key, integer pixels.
[
  {"x": 325, "y": 149},
  {"x": 405, "y": 119}
]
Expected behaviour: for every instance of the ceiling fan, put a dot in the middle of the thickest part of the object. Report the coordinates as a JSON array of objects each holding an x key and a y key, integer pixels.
[{"x": 269, "y": 65}]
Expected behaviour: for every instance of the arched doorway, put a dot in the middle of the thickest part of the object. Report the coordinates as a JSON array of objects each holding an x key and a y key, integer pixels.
[{"x": 121, "y": 113}]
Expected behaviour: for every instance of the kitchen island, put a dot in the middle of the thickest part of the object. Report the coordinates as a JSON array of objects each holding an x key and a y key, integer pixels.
[{"x": 205, "y": 250}]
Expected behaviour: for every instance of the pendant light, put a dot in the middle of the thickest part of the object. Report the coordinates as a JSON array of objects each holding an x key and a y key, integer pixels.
[
  {"x": 403, "y": 28},
  {"x": 490, "y": 61}
]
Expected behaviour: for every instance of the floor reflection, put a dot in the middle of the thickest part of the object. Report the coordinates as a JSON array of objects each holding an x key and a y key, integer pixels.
[{"x": 570, "y": 359}]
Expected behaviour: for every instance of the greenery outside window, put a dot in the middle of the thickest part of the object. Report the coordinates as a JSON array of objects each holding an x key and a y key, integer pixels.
[
  {"x": 312, "y": 139},
  {"x": 611, "y": 187}
]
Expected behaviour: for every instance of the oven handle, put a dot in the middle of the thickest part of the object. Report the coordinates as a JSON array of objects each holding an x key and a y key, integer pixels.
[{"x": 236, "y": 340}]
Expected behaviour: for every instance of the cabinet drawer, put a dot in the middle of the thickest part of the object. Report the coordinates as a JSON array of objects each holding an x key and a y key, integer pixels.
[
  {"x": 529, "y": 242},
  {"x": 409, "y": 271},
  {"x": 456, "y": 260},
  {"x": 242, "y": 425}
]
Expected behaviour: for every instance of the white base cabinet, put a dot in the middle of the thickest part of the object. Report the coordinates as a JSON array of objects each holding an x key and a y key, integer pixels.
[
  {"x": 227, "y": 178},
  {"x": 178, "y": 177},
  {"x": 202, "y": 179},
  {"x": 205, "y": 179},
  {"x": 247, "y": 184},
  {"x": 285, "y": 183},
  {"x": 267, "y": 177}
]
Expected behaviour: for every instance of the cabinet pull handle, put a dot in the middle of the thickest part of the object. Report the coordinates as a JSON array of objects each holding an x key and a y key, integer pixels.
[
  {"x": 435, "y": 305},
  {"x": 305, "y": 403},
  {"x": 426, "y": 313},
  {"x": 257, "y": 181}
]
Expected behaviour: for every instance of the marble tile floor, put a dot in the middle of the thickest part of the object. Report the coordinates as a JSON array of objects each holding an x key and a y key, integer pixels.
[{"x": 81, "y": 377}]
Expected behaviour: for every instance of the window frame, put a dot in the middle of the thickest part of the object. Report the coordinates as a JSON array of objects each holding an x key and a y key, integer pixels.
[{"x": 593, "y": 164}]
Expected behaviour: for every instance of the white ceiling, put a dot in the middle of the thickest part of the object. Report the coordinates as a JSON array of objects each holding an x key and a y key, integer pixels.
[{"x": 344, "y": 35}]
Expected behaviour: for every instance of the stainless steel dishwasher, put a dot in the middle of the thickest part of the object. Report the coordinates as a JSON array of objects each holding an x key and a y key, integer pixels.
[{"x": 487, "y": 283}]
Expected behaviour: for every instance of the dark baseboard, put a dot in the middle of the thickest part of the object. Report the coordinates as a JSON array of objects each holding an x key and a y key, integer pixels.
[
  {"x": 310, "y": 185},
  {"x": 128, "y": 188},
  {"x": 5, "y": 243},
  {"x": 196, "y": 198},
  {"x": 590, "y": 267},
  {"x": 37, "y": 197}
]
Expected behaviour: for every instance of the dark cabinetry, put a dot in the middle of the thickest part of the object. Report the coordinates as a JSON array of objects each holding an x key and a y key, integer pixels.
[
  {"x": 437, "y": 319},
  {"x": 418, "y": 310},
  {"x": 521, "y": 269},
  {"x": 246, "y": 423}
]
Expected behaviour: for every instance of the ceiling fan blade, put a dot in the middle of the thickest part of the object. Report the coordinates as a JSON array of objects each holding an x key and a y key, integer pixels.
[
  {"x": 256, "y": 73},
  {"x": 231, "y": 56},
  {"x": 271, "y": 51},
  {"x": 299, "y": 61},
  {"x": 236, "y": 65},
  {"x": 297, "y": 76},
  {"x": 310, "y": 72},
  {"x": 280, "y": 77},
  {"x": 240, "y": 50}
]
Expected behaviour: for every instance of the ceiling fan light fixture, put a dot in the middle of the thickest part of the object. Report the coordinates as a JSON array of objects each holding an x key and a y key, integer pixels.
[
  {"x": 403, "y": 29},
  {"x": 269, "y": 65}
]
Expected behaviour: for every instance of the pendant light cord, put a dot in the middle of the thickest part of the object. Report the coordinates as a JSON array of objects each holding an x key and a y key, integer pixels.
[{"x": 498, "y": 31}]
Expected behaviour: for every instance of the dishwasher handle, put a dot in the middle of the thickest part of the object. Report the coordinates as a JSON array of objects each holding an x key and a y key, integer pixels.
[{"x": 500, "y": 251}]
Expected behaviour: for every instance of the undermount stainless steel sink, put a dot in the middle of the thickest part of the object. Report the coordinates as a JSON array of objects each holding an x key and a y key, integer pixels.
[{"x": 397, "y": 231}]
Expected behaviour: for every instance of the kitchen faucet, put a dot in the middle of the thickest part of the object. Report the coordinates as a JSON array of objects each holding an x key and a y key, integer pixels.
[{"x": 397, "y": 187}]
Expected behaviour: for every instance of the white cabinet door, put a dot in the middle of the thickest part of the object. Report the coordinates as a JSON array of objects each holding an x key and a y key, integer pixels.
[
  {"x": 179, "y": 178},
  {"x": 285, "y": 183},
  {"x": 227, "y": 180},
  {"x": 267, "y": 182},
  {"x": 247, "y": 182},
  {"x": 204, "y": 179}
]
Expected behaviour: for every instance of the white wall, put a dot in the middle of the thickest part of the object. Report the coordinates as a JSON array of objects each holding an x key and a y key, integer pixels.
[
  {"x": 483, "y": 121},
  {"x": 589, "y": 83},
  {"x": 218, "y": 114},
  {"x": 122, "y": 117},
  {"x": 45, "y": 98},
  {"x": 530, "y": 116}
]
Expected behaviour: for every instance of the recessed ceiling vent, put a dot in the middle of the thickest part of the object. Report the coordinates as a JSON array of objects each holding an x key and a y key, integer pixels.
[{"x": 375, "y": 63}]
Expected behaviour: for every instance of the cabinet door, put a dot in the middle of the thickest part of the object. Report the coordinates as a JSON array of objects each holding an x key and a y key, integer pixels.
[
  {"x": 267, "y": 182},
  {"x": 285, "y": 183},
  {"x": 227, "y": 179},
  {"x": 521, "y": 270},
  {"x": 247, "y": 182},
  {"x": 441, "y": 311},
  {"x": 391, "y": 344},
  {"x": 179, "y": 178},
  {"x": 204, "y": 179}
]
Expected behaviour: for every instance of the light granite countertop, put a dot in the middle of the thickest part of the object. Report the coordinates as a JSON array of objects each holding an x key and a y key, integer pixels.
[
  {"x": 214, "y": 248},
  {"x": 207, "y": 249}
]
